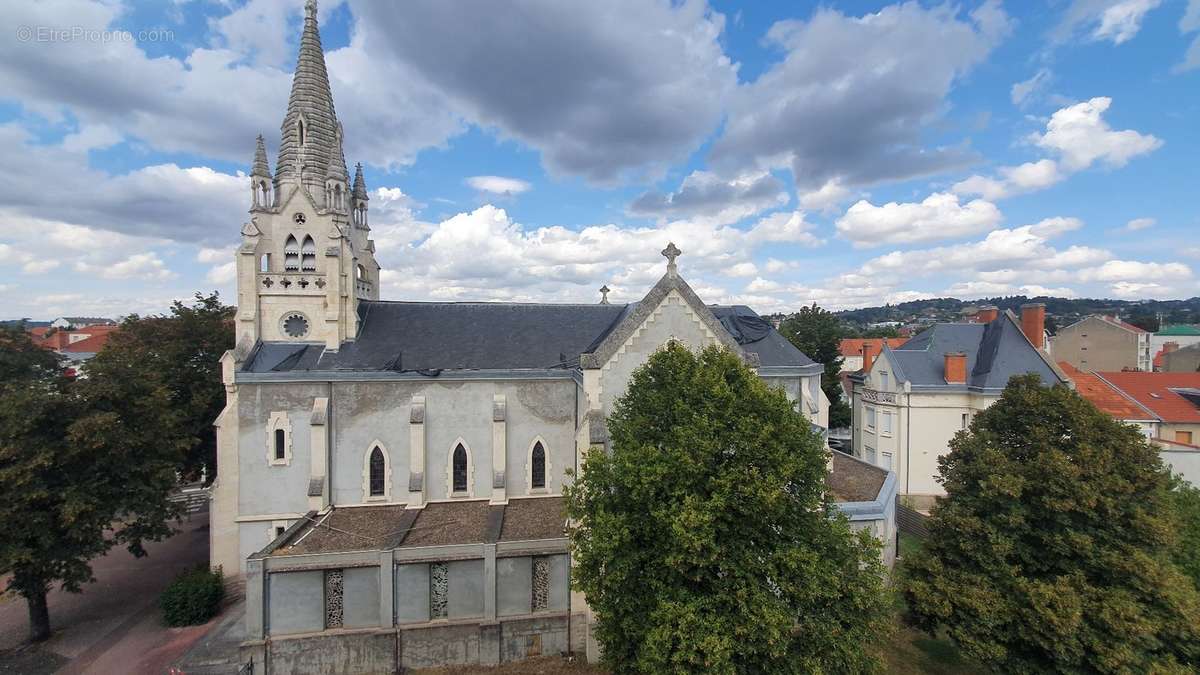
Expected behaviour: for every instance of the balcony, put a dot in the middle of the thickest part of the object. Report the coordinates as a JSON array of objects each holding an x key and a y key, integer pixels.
[{"x": 873, "y": 396}]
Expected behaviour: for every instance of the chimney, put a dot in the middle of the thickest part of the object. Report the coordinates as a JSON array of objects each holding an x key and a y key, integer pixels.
[
  {"x": 987, "y": 314},
  {"x": 956, "y": 367},
  {"x": 1170, "y": 347},
  {"x": 870, "y": 350},
  {"x": 1033, "y": 323}
]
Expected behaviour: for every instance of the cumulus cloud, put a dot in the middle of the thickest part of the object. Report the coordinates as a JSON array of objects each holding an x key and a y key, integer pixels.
[
  {"x": 851, "y": 95},
  {"x": 938, "y": 216},
  {"x": 1140, "y": 224},
  {"x": 826, "y": 198},
  {"x": 1117, "y": 21},
  {"x": 499, "y": 185},
  {"x": 704, "y": 195},
  {"x": 1136, "y": 271},
  {"x": 1080, "y": 137}
]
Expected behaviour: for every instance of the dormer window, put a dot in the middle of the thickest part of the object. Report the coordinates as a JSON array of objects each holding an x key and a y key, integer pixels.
[{"x": 309, "y": 255}]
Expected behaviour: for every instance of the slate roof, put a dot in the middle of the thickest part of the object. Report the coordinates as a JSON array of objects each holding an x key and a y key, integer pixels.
[
  {"x": 433, "y": 336},
  {"x": 853, "y": 480},
  {"x": 996, "y": 351}
]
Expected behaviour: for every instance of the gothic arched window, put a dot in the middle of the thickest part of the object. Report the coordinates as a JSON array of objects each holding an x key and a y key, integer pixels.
[
  {"x": 537, "y": 470},
  {"x": 378, "y": 471},
  {"x": 300, "y": 128},
  {"x": 291, "y": 254},
  {"x": 459, "y": 472},
  {"x": 309, "y": 252}
]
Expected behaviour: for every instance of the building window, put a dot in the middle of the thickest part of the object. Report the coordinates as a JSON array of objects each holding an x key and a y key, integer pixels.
[
  {"x": 438, "y": 584},
  {"x": 295, "y": 325},
  {"x": 966, "y": 420},
  {"x": 291, "y": 254},
  {"x": 1183, "y": 437},
  {"x": 537, "y": 461},
  {"x": 264, "y": 263},
  {"x": 870, "y": 418},
  {"x": 333, "y": 598},
  {"x": 376, "y": 473},
  {"x": 886, "y": 421},
  {"x": 869, "y": 454},
  {"x": 540, "y": 584},
  {"x": 279, "y": 439},
  {"x": 883, "y": 380},
  {"x": 309, "y": 255},
  {"x": 887, "y": 461},
  {"x": 459, "y": 470}
]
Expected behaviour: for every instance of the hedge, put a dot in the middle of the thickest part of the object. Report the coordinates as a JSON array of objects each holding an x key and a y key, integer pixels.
[{"x": 193, "y": 597}]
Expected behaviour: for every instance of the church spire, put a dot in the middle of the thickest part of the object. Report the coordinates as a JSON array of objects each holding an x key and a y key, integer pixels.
[
  {"x": 310, "y": 131},
  {"x": 260, "y": 168},
  {"x": 360, "y": 185}
]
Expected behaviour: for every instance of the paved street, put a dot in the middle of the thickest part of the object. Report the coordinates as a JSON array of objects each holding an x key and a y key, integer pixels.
[{"x": 114, "y": 626}]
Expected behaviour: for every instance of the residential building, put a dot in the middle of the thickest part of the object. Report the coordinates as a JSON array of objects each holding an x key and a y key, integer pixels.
[
  {"x": 856, "y": 350},
  {"x": 1164, "y": 406},
  {"x": 391, "y": 472},
  {"x": 911, "y": 401},
  {"x": 76, "y": 322},
  {"x": 1182, "y": 335},
  {"x": 1182, "y": 360},
  {"x": 1103, "y": 343},
  {"x": 75, "y": 346}
]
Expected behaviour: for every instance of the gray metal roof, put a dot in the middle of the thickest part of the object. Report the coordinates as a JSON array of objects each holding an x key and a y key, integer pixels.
[
  {"x": 433, "y": 336},
  {"x": 996, "y": 351}
]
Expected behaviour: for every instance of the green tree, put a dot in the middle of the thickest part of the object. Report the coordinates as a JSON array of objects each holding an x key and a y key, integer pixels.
[
  {"x": 1186, "y": 499},
  {"x": 76, "y": 458},
  {"x": 1051, "y": 550},
  {"x": 818, "y": 333},
  {"x": 181, "y": 351},
  {"x": 705, "y": 542},
  {"x": 21, "y": 360}
]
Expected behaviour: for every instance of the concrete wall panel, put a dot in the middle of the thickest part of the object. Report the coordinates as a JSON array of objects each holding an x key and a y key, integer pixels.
[
  {"x": 360, "y": 597},
  {"x": 412, "y": 593},
  {"x": 297, "y": 602},
  {"x": 465, "y": 592},
  {"x": 514, "y": 577},
  {"x": 354, "y": 654}
]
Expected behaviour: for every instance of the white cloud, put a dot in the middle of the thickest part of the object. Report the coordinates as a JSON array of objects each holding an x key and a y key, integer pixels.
[
  {"x": 1117, "y": 21},
  {"x": 1135, "y": 271},
  {"x": 761, "y": 285},
  {"x": 1023, "y": 92},
  {"x": 784, "y": 227},
  {"x": 1082, "y": 137},
  {"x": 1190, "y": 23},
  {"x": 1053, "y": 227},
  {"x": 827, "y": 198},
  {"x": 499, "y": 185},
  {"x": 938, "y": 216},
  {"x": 1140, "y": 224},
  {"x": 141, "y": 266}
]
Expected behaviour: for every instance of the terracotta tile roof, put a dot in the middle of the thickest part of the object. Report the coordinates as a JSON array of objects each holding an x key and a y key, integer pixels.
[
  {"x": 854, "y": 346},
  {"x": 1157, "y": 391},
  {"x": 1104, "y": 396},
  {"x": 97, "y": 337},
  {"x": 853, "y": 480}
]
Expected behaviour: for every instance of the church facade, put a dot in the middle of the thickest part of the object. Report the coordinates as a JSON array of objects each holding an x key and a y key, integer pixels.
[{"x": 391, "y": 472}]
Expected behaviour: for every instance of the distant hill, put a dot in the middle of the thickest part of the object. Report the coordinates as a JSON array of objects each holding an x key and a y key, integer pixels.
[{"x": 1059, "y": 311}]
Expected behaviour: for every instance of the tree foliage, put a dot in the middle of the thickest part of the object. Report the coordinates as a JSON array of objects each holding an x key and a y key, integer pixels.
[
  {"x": 1186, "y": 499},
  {"x": 705, "y": 541},
  {"x": 1051, "y": 550},
  {"x": 84, "y": 466},
  {"x": 818, "y": 333},
  {"x": 180, "y": 352}
]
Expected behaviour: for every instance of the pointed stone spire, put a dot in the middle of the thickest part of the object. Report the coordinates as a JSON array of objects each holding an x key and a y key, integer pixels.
[
  {"x": 360, "y": 185},
  {"x": 261, "y": 167},
  {"x": 309, "y": 133}
]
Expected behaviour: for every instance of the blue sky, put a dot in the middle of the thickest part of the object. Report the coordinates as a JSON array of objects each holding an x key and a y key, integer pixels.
[{"x": 848, "y": 153}]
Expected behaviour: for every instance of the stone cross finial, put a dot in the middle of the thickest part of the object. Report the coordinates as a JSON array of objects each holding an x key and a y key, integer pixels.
[
  {"x": 671, "y": 253},
  {"x": 604, "y": 294}
]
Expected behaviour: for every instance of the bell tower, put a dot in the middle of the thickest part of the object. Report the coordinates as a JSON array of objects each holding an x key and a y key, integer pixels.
[{"x": 306, "y": 260}]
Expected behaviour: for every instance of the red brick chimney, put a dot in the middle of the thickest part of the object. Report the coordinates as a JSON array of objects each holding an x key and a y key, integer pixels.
[
  {"x": 1033, "y": 323},
  {"x": 987, "y": 314},
  {"x": 870, "y": 350},
  {"x": 1169, "y": 347},
  {"x": 956, "y": 367}
]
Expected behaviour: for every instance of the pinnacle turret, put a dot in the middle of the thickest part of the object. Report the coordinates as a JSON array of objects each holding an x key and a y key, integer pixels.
[
  {"x": 360, "y": 185},
  {"x": 261, "y": 167},
  {"x": 310, "y": 136}
]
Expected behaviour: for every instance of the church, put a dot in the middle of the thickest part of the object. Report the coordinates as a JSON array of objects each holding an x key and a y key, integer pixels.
[{"x": 391, "y": 472}]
